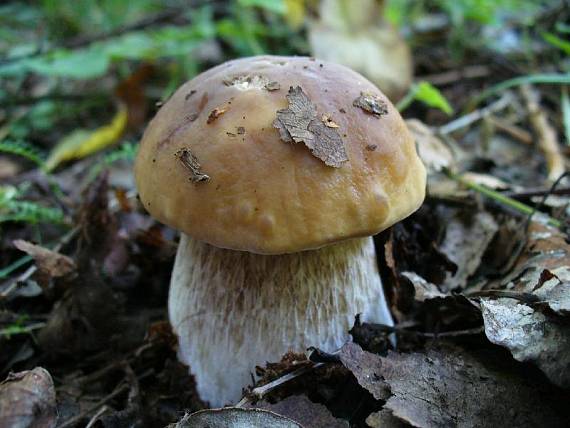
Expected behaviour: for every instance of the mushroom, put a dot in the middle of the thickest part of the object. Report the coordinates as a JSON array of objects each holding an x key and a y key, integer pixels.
[
  {"x": 362, "y": 38},
  {"x": 277, "y": 171}
]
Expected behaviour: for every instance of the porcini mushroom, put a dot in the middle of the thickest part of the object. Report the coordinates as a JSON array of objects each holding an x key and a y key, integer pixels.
[{"x": 277, "y": 170}]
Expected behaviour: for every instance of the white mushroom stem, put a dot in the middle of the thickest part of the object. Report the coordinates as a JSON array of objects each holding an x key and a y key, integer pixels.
[{"x": 234, "y": 310}]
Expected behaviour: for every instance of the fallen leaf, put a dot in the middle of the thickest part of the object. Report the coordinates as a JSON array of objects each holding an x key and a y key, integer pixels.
[
  {"x": 191, "y": 162},
  {"x": 81, "y": 142},
  {"x": 424, "y": 290},
  {"x": 27, "y": 399},
  {"x": 384, "y": 419},
  {"x": 303, "y": 411},
  {"x": 449, "y": 387},
  {"x": 367, "y": 368},
  {"x": 371, "y": 103},
  {"x": 530, "y": 336},
  {"x": 466, "y": 240},
  {"x": 234, "y": 417},
  {"x": 299, "y": 123},
  {"x": 49, "y": 262},
  {"x": 432, "y": 151}
]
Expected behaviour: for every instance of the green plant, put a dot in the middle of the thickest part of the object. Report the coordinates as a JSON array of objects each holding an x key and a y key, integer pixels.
[
  {"x": 12, "y": 208},
  {"x": 126, "y": 152},
  {"x": 21, "y": 148},
  {"x": 427, "y": 94}
]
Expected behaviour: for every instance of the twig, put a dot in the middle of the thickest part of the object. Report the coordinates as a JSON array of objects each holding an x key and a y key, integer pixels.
[
  {"x": 514, "y": 131},
  {"x": 118, "y": 391},
  {"x": 499, "y": 197},
  {"x": 472, "y": 117},
  {"x": 456, "y": 333},
  {"x": 523, "y": 297},
  {"x": 96, "y": 416},
  {"x": 546, "y": 136},
  {"x": 261, "y": 391},
  {"x": 530, "y": 193}
]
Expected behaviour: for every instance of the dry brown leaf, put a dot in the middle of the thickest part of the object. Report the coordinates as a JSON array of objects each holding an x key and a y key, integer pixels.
[
  {"x": 49, "y": 262},
  {"x": 465, "y": 242},
  {"x": 27, "y": 399},
  {"x": 432, "y": 151},
  {"x": 530, "y": 336},
  {"x": 299, "y": 123},
  {"x": 384, "y": 419},
  {"x": 367, "y": 368},
  {"x": 449, "y": 387}
]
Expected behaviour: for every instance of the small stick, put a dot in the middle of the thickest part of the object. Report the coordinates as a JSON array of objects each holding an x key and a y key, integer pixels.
[
  {"x": 96, "y": 416},
  {"x": 475, "y": 116},
  {"x": 261, "y": 391},
  {"x": 514, "y": 131},
  {"x": 545, "y": 134},
  {"x": 499, "y": 197},
  {"x": 74, "y": 420}
]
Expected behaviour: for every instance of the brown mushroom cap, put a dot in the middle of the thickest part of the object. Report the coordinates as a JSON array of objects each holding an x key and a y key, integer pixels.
[{"x": 265, "y": 195}]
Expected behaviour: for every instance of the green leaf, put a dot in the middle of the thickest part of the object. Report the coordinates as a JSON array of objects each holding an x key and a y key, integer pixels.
[
  {"x": 428, "y": 94},
  {"x": 276, "y": 6},
  {"x": 94, "y": 61},
  {"x": 23, "y": 149},
  {"x": 566, "y": 113},
  {"x": 556, "y": 41},
  {"x": 431, "y": 96},
  {"x": 81, "y": 64}
]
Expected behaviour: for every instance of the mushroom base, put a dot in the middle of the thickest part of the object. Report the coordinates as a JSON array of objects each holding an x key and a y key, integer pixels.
[{"x": 234, "y": 310}]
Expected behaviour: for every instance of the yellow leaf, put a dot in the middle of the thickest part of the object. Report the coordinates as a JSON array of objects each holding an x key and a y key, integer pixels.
[
  {"x": 82, "y": 142},
  {"x": 295, "y": 15}
]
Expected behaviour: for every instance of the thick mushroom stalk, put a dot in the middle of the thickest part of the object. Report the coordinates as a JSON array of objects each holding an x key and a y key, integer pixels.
[{"x": 247, "y": 309}]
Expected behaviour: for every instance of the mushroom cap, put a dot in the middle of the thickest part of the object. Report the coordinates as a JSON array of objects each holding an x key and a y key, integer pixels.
[{"x": 213, "y": 165}]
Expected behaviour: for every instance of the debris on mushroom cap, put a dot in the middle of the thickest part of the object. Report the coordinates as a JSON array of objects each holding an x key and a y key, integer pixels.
[
  {"x": 245, "y": 82},
  {"x": 270, "y": 196},
  {"x": 191, "y": 162},
  {"x": 328, "y": 121},
  {"x": 371, "y": 103},
  {"x": 299, "y": 123},
  {"x": 217, "y": 112}
]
